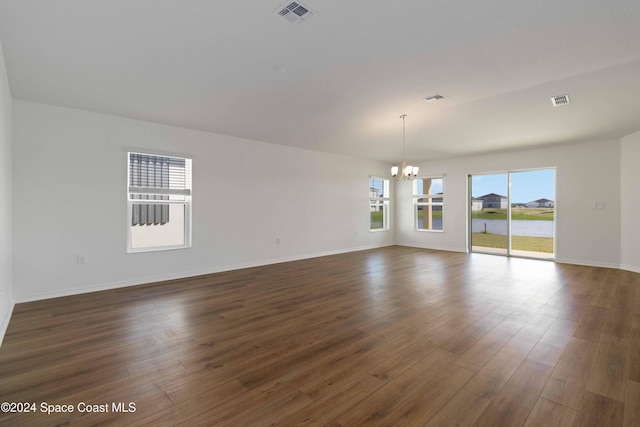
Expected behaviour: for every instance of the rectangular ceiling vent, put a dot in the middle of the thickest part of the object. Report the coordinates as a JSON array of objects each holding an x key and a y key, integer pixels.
[
  {"x": 435, "y": 98},
  {"x": 295, "y": 12},
  {"x": 560, "y": 100}
]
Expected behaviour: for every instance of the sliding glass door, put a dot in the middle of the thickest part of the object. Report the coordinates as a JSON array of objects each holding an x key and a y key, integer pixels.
[
  {"x": 489, "y": 209},
  {"x": 513, "y": 213},
  {"x": 533, "y": 213}
]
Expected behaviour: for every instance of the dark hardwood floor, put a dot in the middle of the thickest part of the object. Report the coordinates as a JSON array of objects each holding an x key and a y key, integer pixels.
[{"x": 392, "y": 337}]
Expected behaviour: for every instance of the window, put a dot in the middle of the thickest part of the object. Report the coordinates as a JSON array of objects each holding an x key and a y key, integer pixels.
[
  {"x": 428, "y": 198},
  {"x": 378, "y": 204},
  {"x": 158, "y": 202}
]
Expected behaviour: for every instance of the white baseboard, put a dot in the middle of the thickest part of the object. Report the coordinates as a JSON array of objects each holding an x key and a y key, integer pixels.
[
  {"x": 631, "y": 268},
  {"x": 434, "y": 247},
  {"x": 587, "y": 263},
  {"x": 5, "y": 320},
  {"x": 561, "y": 261},
  {"x": 183, "y": 274}
]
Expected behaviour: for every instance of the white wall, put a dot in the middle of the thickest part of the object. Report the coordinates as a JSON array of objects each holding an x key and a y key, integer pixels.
[
  {"x": 70, "y": 174},
  {"x": 585, "y": 173},
  {"x": 630, "y": 202},
  {"x": 6, "y": 299}
]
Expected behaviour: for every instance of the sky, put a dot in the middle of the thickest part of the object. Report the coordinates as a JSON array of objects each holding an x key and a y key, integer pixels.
[{"x": 526, "y": 186}]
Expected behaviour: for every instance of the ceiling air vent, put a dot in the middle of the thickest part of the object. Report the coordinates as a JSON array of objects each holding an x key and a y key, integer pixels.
[
  {"x": 435, "y": 98},
  {"x": 560, "y": 100},
  {"x": 295, "y": 12}
]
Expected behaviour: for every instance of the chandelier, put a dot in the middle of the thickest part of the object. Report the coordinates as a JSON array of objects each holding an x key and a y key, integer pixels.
[{"x": 407, "y": 172}]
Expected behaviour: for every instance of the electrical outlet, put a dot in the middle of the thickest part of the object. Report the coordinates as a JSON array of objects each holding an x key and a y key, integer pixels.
[
  {"x": 598, "y": 205},
  {"x": 277, "y": 240},
  {"x": 81, "y": 259}
]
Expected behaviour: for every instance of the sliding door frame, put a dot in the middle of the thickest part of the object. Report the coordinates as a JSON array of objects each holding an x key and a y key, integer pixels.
[{"x": 508, "y": 173}]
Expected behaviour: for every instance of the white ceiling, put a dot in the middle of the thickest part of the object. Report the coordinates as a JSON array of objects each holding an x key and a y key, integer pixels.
[{"x": 349, "y": 72}]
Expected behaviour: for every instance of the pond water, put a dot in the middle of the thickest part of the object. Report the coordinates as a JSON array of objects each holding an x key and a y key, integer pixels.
[
  {"x": 518, "y": 227},
  {"x": 435, "y": 225}
]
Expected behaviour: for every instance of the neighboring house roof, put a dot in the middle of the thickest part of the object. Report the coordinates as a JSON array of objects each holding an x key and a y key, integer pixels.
[
  {"x": 541, "y": 201},
  {"x": 491, "y": 195}
]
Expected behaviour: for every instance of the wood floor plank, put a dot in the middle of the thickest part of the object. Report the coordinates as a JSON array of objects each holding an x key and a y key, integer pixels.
[
  {"x": 634, "y": 356},
  {"x": 486, "y": 347},
  {"x": 610, "y": 367},
  {"x": 632, "y": 404},
  {"x": 607, "y": 294},
  {"x": 513, "y": 403},
  {"x": 560, "y": 332},
  {"x": 466, "y": 406},
  {"x": 357, "y": 364},
  {"x": 597, "y": 411},
  {"x": 328, "y": 408},
  {"x": 620, "y": 319},
  {"x": 463, "y": 340},
  {"x": 422, "y": 405},
  {"x": 636, "y": 310},
  {"x": 301, "y": 359},
  {"x": 592, "y": 324},
  {"x": 569, "y": 378},
  {"x": 195, "y": 404},
  {"x": 546, "y": 353},
  {"x": 390, "y": 336},
  {"x": 537, "y": 326},
  {"x": 384, "y": 400},
  {"x": 401, "y": 359},
  {"x": 550, "y": 414},
  {"x": 268, "y": 414}
]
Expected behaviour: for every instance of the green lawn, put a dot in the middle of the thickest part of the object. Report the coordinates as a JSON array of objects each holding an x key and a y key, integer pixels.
[
  {"x": 376, "y": 216},
  {"x": 377, "y": 220},
  {"x": 521, "y": 243},
  {"x": 536, "y": 214},
  {"x": 435, "y": 214}
]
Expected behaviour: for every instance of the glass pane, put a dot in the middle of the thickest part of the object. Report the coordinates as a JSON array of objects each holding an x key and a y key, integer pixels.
[
  {"x": 163, "y": 225},
  {"x": 532, "y": 213},
  {"x": 429, "y": 217},
  {"x": 428, "y": 186},
  {"x": 377, "y": 211},
  {"x": 489, "y": 206},
  {"x": 378, "y": 187}
]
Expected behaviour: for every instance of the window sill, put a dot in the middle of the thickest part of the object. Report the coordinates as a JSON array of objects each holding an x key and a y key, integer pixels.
[{"x": 163, "y": 248}]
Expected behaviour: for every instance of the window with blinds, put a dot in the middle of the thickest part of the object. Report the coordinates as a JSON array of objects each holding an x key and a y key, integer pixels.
[{"x": 159, "y": 202}]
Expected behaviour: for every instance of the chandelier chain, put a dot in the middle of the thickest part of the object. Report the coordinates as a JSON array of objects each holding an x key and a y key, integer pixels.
[{"x": 403, "y": 117}]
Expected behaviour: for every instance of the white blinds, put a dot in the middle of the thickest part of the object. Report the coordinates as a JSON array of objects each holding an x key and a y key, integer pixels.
[
  {"x": 156, "y": 178},
  {"x": 159, "y": 174}
]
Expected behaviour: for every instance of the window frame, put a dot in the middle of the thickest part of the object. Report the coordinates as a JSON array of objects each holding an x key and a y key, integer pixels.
[
  {"x": 430, "y": 203},
  {"x": 384, "y": 202},
  {"x": 186, "y": 202}
]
